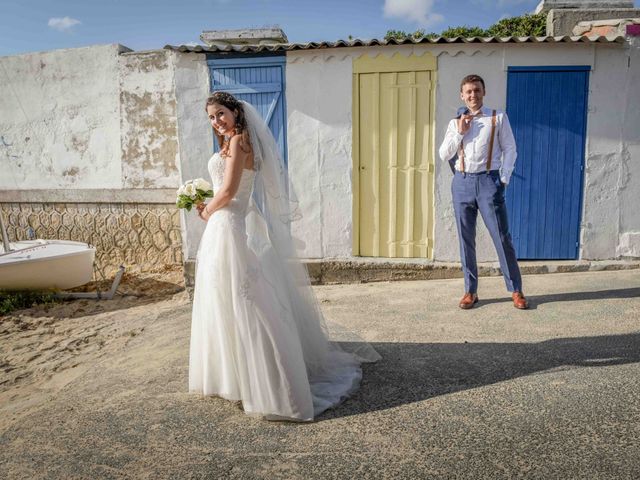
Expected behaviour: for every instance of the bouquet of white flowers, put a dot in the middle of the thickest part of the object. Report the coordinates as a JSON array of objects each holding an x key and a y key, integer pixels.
[{"x": 192, "y": 193}]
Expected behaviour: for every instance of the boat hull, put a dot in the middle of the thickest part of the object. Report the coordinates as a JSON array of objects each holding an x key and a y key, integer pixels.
[{"x": 46, "y": 265}]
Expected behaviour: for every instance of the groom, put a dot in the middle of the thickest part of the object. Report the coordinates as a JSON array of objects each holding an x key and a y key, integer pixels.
[{"x": 486, "y": 155}]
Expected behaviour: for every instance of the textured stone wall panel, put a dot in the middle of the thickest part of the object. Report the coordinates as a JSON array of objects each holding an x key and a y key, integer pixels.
[{"x": 142, "y": 237}]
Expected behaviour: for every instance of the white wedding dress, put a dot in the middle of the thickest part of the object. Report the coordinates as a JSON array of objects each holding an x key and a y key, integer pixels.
[{"x": 257, "y": 335}]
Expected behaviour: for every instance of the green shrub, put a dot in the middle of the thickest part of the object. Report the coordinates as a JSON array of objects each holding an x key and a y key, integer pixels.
[
  {"x": 10, "y": 301},
  {"x": 464, "y": 32},
  {"x": 526, "y": 25}
]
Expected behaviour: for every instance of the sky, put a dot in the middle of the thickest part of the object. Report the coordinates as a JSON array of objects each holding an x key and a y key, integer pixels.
[{"x": 41, "y": 25}]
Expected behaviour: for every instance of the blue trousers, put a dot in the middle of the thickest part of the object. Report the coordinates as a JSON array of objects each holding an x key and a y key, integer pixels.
[{"x": 485, "y": 192}]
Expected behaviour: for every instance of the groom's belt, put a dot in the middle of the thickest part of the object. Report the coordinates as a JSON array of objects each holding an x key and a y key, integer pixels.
[{"x": 483, "y": 172}]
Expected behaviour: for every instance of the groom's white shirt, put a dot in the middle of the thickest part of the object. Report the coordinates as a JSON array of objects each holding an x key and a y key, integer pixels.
[{"x": 476, "y": 144}]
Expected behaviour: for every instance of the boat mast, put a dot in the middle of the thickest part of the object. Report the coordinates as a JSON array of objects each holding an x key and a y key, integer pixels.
[{"x": 5, "y": 238}]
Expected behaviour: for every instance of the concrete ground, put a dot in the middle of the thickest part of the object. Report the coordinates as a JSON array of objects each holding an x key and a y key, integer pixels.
[{"x": 552, "y": 392}]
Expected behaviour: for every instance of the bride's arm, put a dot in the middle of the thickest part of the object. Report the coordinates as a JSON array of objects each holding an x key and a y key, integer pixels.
[{"x": 234, "y": 163}]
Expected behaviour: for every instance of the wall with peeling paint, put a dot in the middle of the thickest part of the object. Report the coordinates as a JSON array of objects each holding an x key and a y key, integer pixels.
[
  {"x": 89, "y": 152},
  {"x": 148, "y": 120},
  {"x": 320, "y": 140},
  {"x": 629, "y": 229},
  {"x": 611, "y": 218},
  {"x": 60, "y": 121},
  {"x": 87, "y": 118},
  {"x": 491, "y": 63}
]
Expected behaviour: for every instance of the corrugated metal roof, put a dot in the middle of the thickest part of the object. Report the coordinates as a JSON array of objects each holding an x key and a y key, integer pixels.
[{"x": 368, "y": 43}]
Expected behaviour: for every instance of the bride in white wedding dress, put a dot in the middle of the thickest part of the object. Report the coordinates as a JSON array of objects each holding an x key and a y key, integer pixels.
[{"x": 257, "y": 333}]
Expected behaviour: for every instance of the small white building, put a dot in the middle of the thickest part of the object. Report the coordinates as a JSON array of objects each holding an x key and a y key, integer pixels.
[
  {"x": 363, "y": 121},
  {"x": 94, "y": 142}
]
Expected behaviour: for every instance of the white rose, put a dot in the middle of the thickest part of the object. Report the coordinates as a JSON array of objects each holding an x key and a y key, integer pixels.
[
  {"x": 190, "y": 190},
  {"x": 202, "y": 184},
  {"x": 180, "y": 190}
]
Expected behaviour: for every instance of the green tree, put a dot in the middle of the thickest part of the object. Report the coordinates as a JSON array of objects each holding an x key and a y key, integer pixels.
[
  {"x": 464, "y": 31},
  {"x": 523, "y": 26},
  {"x": 396, "y": 34},
  {"x": 401, "y": 35},
  {"x": 450, "y": 32}
]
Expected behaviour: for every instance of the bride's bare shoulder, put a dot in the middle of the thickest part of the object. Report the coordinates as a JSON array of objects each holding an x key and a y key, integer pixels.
[
  {"x": 241, "y": 147},
  {"x": 241, "y": 142}
]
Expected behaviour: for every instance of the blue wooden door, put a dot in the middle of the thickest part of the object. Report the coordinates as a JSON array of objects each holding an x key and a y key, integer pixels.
[
  {"x": 259, "y": 81},
  {"x": 547, "y": 107}
]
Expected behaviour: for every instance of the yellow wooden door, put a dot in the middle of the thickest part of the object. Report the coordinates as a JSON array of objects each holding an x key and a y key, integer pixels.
[{"x": 393, "y": 156}]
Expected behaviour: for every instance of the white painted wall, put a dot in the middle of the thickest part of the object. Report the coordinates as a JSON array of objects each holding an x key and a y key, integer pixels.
[
  {"x": 319, "y": 109},
  {"x": 611, "y": 218},
  {"x": 194, "y": 134},
  {"x": 319, "y": 142},
  {"x": 89, "y": 118},
  {"x": 319, "y": 88},
  {"x": 629, "y": 230},
  {"x": 491, "y": 63},
  {"x": 60, "y": 119}
]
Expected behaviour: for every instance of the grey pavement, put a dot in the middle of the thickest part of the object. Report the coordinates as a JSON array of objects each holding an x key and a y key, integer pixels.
[{"x": 552, "y": 392}]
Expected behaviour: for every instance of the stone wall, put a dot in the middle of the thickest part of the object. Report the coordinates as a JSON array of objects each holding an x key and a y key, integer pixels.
[
  {"x": 141, "y": 236},
  {"x": 563, "y": 21},
  {"x": 605, "y": 27}
]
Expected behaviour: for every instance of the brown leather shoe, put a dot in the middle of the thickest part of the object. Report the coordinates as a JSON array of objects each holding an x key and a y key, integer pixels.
[
  {"x": 519, "y": 301},
  {"x": 468, "y": 301}
]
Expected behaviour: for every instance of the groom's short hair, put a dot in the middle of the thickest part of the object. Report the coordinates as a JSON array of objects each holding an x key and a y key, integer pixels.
[{"x": 473, "y": 78}]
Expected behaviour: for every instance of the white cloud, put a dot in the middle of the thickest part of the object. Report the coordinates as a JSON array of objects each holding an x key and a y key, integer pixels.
[
  {"x": 418, "y": 11},
  {"x": 63, "y": 24}
]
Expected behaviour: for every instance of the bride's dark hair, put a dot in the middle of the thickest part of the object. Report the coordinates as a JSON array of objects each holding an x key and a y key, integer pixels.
[{"x": 232, "y": 103}]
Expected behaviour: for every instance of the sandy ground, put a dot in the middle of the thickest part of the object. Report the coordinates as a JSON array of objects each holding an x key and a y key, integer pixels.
[
  {"x": 97, "y": 389},
  {"x": 45, "y": 347}
]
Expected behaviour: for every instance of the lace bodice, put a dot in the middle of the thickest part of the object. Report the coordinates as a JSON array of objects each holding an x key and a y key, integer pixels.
[{"x": 240, "y": 201}]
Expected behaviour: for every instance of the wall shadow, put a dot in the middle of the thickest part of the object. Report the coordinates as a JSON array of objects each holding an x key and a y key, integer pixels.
[{"x": 412, "y": 372}]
